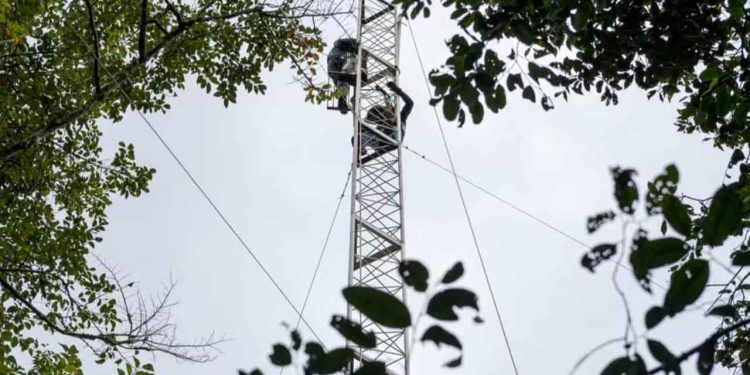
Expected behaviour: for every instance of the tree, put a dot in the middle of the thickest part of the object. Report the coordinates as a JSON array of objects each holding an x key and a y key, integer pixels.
[
  {"x": 443, "y": 300},
  {"x": 64, "y": 65},
  {"x": 693, "y": 51}
]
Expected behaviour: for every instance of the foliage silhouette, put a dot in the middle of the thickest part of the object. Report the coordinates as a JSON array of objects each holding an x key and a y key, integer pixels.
[{"x": 321, "y": 361}]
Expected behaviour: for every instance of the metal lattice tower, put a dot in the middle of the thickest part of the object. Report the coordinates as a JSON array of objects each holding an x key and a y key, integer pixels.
[{"x": 377, "y": 231}]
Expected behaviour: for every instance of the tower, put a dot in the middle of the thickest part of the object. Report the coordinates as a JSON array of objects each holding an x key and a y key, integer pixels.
[{"x": 377, "y": 230}]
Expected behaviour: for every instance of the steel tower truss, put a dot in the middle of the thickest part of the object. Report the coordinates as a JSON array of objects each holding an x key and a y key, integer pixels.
[{"x": 377, "y": 231}]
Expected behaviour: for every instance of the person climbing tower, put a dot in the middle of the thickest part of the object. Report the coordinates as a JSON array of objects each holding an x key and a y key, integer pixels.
[
  {"x": 342, "y": 68},
  {"x": 383, "y": 119}
]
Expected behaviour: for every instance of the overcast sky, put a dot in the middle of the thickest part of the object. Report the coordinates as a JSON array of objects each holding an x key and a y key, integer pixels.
[{"x": 276, "y": 166}]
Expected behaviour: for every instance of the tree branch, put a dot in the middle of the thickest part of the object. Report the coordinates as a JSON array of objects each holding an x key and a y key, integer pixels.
[
  {"x": 711, "y": 340},
  {"x": 142, "y": 31},
  {"x": 151, "y": 332},
  {"x": 95, "y": 36},
  {"x": 171, "y": 8},
  {"x": 41, "y": 316},
  {"x": 64, "y": 119}
]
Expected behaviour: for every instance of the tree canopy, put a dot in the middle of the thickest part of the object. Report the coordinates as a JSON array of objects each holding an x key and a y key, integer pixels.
[
  {"x": 693, "y": 52},
  {"x": 64, "y": 65}
]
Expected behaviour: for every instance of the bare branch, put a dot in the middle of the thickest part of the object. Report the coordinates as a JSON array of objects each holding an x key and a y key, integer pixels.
[{"x": 148, "y": 329}]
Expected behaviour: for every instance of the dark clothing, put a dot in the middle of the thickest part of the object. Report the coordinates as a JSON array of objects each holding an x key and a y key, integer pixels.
[
  {"x": 384, "y": 121},
  {"x": 408, "y": 104},
  {"x": 342, "y": 61}
]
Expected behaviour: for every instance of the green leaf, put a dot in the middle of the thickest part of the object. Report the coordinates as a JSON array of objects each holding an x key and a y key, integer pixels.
[
  {"x": 710, "y": 73},
  {"x": 597, "y": 255},
  {"x": 331, "y": 362},
  {"x": 477, "y": 112},
  {"x": 650, "y": 254},
  {"x": 313, "y": 349},
  {"x": 296, "y": 340},
  {"x": 581, "y": 16},
  {"x": 687, "y": 284},
  {"x": 372, "y": 368},
  {"x": 593, "y": 223},
  {"x": 454, "y": 363},
  {"x": 664, "y": 356},
  {"x": 439, "y": 336},
  {"x": 737, "y": 9},
  {"x": 280, "y": 356},
  {"x": 726, "y": 311},
  {"x": 514, "y": 80},
  {"x": 625, "y": 366},
  {"x": 663, "y": 251},
  {"x": 500, "y": 99},
  {"x": 450, "y": 108},
  {"x": 654, "y": 316},
  {"x": 441, "y": 305},
  {"x": 737, "y": 156},
  {"x": 528, "y": 93},
  {"x": 741, "y": 258},
  {"x": 676, "y": 214},
  {"x": 626, "y": 191},
  {"x": 454, "y": 273},
  {"x": 415, "y": 274},
  {"x": 381, "y": 307},
  {"x": 705, "y": 362},
  {"x": 724, "y": 216},
  {"x": 441, "y": 82},
  {"x": 353, "y": 332}
]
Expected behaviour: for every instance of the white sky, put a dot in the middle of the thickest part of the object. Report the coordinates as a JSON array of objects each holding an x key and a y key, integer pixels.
[{"x": 275, "y": 166}]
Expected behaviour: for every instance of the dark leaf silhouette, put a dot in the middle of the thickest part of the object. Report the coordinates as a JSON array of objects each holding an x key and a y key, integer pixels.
[
  {"x": 664, "y": 356},
  {"x": 723, "y": 217},
  {"x": 687, "y": 284},
  {"x": 705, "y": 362},
  {"x": 676, "y": 214},
  {"x": 650, "y": 254},
  {"x": 597, "y": 255},
  {"x": 654, "y": 316},
  {"x": 296, "y": 340},
  {"x": 454, "y": 273},
  {"x": 595, "y": 222},
  {"x": 442, "y": 305},
  {"x": 626, "y": 191},
  {"x": 371, "y": 368},
  {"x": 280, "y": 355},
  {"x": 353, "y": 332},
  {"x": 331, "y": 362},
  {"x": 723, "y": 311},
  {"x": 415, "y": 274},
  {"x": 440, "y": 336},
  {"x": 379, "y": 306}
]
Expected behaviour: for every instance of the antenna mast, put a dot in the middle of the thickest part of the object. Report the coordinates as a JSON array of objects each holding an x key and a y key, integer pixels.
[{"x": 377, "y": 230}]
